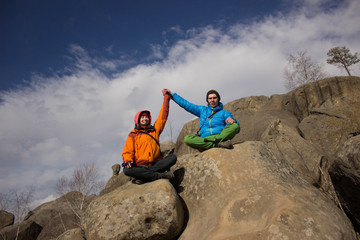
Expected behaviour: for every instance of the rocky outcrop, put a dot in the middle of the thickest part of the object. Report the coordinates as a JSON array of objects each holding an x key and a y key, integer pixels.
[
  {"x": 58, "y": 216},
  {"x": 72, "y": 234},
  {"x": 328, "y": 111},
  {"x": 312, "y": 129},
  {"x": 6, "y": 219},
  {"x": 149, "y": 211},
  {"x": 349, "y": 153},
  {"x": 293, "y": 174},
  {"x": 345, "y": 175},
  {"x": 323, "y": 112},
  {"x": 50, "y": 219},
  {"x": 114, "y": 182},
  {"x": 167, "y": 148},
  {"x": 287, "y": 145},
  {"x": 28, "y": 230},
  {"x": 249, "y": 193}
]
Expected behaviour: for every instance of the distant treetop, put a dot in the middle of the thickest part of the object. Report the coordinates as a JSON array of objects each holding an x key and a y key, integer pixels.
[{"x": 342, "y": 58}]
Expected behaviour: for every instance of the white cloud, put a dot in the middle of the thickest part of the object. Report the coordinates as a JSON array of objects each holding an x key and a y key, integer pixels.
[
  {"x": 84, "y": 114},
  {"x": 38, "y": 202},
  {"x": 156, "y": 52}
]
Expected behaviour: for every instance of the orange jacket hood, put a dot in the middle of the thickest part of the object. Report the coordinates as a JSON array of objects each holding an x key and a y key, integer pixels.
[{"x": 137, "y": 117}]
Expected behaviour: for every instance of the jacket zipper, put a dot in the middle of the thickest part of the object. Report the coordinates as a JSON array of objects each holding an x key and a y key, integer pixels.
[{"x": 212, "y": 110}]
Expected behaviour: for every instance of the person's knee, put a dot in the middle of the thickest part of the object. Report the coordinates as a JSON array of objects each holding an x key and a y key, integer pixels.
[
  {"x": 171, "y": 159},
  {"x": 187, "y": 139},
  {"x": 128, "y": 171},
  {"x": 236, "y": 127},
  {"x": 229, "y": 131},
  {"x": 233, "y": 128},
  {"x": 174, "y": 158}
]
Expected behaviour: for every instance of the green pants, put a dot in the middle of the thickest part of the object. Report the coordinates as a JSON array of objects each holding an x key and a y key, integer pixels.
[{"x": 197, "y": 142}]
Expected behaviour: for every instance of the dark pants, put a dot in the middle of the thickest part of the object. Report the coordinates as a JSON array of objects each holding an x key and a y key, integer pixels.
[{"x": 150, "y": 173}]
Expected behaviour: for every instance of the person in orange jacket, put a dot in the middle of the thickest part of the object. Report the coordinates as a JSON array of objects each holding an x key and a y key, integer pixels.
[{"x": 142, "y": 159}]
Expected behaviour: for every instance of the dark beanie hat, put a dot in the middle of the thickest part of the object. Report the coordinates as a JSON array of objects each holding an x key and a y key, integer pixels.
[{"x": 212, "y": 92}]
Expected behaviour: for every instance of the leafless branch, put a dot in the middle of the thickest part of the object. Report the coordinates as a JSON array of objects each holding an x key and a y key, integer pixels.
[
  {"x": 84, "y": 182},
  {"x": 301, "y": 70}
]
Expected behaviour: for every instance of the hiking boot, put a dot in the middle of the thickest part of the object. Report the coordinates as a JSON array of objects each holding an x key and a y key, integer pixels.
[
  {"x": 137, "y": 181},
  {"x": 227, "y": 144},
  {"x": 166, "y": 175}
]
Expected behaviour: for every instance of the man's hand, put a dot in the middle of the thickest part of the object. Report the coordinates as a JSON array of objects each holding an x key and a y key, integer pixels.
[
  {"x": 230, "y": 120},
  {"x": 166, "y": 91},
  {"x": 127, "y": 165}
]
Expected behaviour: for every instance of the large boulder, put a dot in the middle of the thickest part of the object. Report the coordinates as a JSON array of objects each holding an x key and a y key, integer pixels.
[
  {"x": 248, "y": 193},
  {"x": 149, "y": 211},
  {"x": 50, "y": 219},
  {"x": 349, "y": 153},
  {"x": 72, "y": 234},
  {"x": 345, "y": 175},
  {"x": 309, "y": 129},
  {"x": 189, "y": 128},
  {"x": 324, "y": 112},
  {"x": 287, "y": 144},
  {"x": 58, "y": 216},
  {"x": 28, "y": 230},
  {"x": 254, "y": 114},
  {"x": 6, "y": 219},
  {"x": 167, "y": 148},
  {"x": 328, "y": 110},
  {"x": 114, "y": 182}
]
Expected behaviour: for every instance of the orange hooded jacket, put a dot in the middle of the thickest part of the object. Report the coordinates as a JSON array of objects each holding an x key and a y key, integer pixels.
[{"x": 140, "y": 149}]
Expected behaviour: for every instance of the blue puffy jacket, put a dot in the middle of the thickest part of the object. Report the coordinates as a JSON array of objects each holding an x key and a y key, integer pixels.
[{"x": 208, "y": 127}]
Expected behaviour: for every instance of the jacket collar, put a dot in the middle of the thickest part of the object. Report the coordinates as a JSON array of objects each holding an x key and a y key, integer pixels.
[
  {"x": 145, "y": 129},
  {"x": 219, "y": 107}
]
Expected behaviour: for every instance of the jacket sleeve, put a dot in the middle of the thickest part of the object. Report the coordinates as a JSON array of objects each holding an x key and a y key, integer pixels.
[
  {"x": 129, "y": 150},
  {"x": 163, "y": 115},
  {"x": 227, "y": 115},
  {"x": 188, "y": 106}
]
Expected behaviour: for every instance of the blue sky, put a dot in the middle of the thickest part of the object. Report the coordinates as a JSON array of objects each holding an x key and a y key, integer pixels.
[
  {"x": 74, "y": 73},
  {"x": 35, "y": 35}
]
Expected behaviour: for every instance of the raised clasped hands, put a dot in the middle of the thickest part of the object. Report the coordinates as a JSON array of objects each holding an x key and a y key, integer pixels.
[{"x": 166, "y": 91}]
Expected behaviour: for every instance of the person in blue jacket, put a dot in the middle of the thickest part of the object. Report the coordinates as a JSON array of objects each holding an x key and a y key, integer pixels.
[{"x": 217, "y": 126}]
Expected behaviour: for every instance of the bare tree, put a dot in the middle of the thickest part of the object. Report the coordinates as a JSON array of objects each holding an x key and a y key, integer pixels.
[
  {"x": 21, "y": 203},
  {"x": 301, "y": 70},
  {"x": 4, "y": 201},
  {"x": 17, "y": 202},
  {"x": 84, "y": 182},
  {"x": 342, "y": 58}
]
